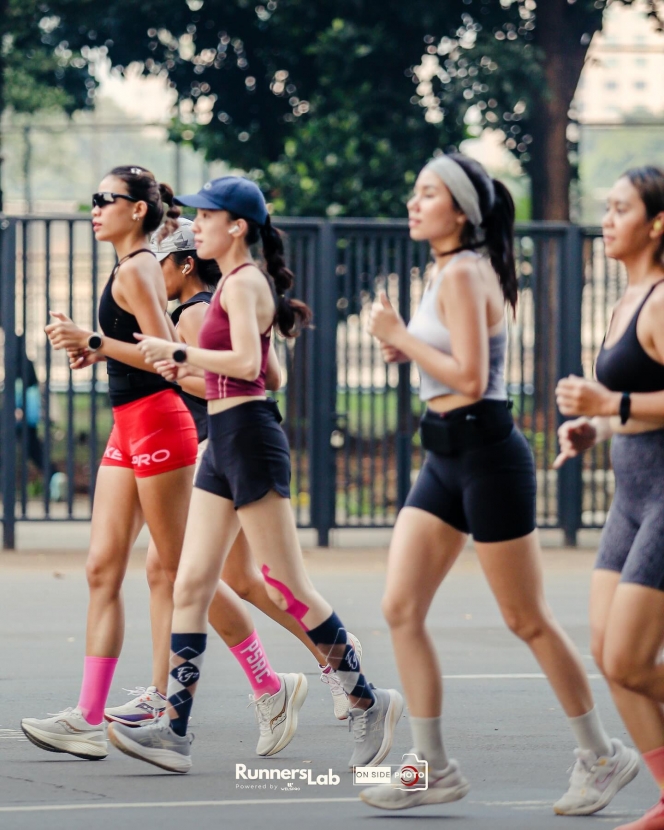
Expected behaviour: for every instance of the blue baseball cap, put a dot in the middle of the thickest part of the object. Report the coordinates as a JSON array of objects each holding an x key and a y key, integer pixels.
[{"x": 234, "y": 193}]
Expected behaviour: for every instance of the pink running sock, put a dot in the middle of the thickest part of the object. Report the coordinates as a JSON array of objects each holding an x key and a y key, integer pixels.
[
  {"x": 250, "y": 655},
  {"x": 655, "y": 762},
  {"x": 97, "y": 679},
  {"x": 652, "y": 820}
]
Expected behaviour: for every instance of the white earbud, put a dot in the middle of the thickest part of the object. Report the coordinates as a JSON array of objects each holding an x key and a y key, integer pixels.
[
  {"x": 186, "y": 269},
  {"x": 234, "y": 229}
]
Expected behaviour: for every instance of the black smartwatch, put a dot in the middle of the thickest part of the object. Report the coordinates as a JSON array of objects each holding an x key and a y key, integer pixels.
[
  {"x": 94, "y": 342},
  {"x": 180, "y": 355},
  {"x": 625, "y": 406}
]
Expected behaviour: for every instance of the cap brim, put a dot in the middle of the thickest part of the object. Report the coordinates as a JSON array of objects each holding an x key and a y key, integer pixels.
[
  {"x": 197, "y": 200},
  {"x": 161, "y": 255}
]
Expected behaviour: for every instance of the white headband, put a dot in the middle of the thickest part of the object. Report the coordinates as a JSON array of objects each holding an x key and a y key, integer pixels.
[{"x": 460, "y": 186}]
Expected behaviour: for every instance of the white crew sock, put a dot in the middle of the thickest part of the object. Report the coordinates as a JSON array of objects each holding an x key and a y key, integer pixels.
[
  {"x": 590, "y": 733},
  {"x": 428, "y": 740}
]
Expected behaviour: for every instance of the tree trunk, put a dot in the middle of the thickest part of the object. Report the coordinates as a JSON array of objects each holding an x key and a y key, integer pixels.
[{"x": 563, "y": 34}]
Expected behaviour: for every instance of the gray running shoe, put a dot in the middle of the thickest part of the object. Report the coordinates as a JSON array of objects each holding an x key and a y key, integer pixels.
[
  {"x": 277, "y": 714},
  {"x": 373, "y": 729},
  {"x": 443, "y": 786},
  {"x": 67, "y": 731},
  {"x": 155, "y": 743}
]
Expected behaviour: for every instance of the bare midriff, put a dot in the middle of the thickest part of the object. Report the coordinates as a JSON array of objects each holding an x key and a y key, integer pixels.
[
  {"x": 446, "y": 403},
  {"x": 222, "y": 404}
]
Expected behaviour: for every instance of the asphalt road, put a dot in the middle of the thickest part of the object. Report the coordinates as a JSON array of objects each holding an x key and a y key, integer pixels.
[{"x": 501, "y": 720}]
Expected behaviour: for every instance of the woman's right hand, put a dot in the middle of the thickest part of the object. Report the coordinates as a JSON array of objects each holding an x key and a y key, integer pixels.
[
  {"x": 575, "y": 437},
  {"x": 172, "y": 371},
  {"x": 82, "y": 358},
  {"x": 392, "y": 355}
]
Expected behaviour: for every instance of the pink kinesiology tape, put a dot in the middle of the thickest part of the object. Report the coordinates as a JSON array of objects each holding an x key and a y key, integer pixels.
[{"x": 294, "y": 607}]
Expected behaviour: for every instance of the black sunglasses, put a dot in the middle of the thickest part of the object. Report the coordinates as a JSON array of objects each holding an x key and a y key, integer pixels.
[{"x": 107, "y": 198}]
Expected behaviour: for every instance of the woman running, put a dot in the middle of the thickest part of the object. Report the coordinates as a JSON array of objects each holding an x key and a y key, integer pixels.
[
  {"x": 147, "y": 469},
  {"x": 191, "y": 281},
  {"x": 244, "y": 481},
  {"x": 627, "y": 402},
  {"x": 478, "y": 478}
]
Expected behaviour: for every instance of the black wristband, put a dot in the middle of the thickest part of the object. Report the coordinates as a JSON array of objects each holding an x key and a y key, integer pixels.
[
  {"x": 180, "y": 355},
  {"x": 625, "y": 407}
]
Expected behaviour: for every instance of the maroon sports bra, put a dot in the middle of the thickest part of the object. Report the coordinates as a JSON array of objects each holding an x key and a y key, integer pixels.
[{"x": 215, "y": 334}]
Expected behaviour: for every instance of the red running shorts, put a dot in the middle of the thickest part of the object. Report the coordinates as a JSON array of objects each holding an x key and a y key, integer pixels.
[{"x": 152, "y": 435}]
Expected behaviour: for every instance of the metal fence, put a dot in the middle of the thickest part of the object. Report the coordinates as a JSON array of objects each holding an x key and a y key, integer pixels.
[{"x": 351, "y": 420}]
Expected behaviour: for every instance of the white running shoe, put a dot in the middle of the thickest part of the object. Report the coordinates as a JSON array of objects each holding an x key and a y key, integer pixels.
[
  {"x": 329, "y": 676},
  {"x": 443, "y": 786},
  {"x": 373, "y": 728},
  {"x": 69, "y": 732},
  {"x": 147, "y": 704},
  {"x": 595, "y": 781},
  {"x": 277, "y": 713},
  {"x": 155, "y": 743}
]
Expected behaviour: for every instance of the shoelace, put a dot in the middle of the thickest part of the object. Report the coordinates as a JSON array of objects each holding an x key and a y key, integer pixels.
[
  {"x": 358, "y": 723},
  {"x": 262, "y": 711},
  {"x": 64, "y": 712},
  {"x": 332, "y": 680},
  {"x": 140, "y": 692},
  {"x": 583, "y": 766}
]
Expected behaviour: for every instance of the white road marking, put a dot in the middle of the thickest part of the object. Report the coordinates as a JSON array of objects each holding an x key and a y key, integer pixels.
[
  {"x": 505, "y": 677},
  {"x": 231, "y": 802}
]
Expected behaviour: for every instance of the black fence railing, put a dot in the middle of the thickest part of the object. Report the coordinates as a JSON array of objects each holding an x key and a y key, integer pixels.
[{"x": 351, "y": 420}]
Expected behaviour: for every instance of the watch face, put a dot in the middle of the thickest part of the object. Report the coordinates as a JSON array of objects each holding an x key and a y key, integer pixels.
[
  {"x": 94, "y": 342},
  {"x": 179, "y": 355}
]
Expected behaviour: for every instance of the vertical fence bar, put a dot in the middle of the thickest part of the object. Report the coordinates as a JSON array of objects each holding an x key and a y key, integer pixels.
[
  {"x": 404, "y": 443},
  {"x": 8, "y": 320},
  {"x": 323, "y": 377},
  {"x": 570, "y": 293}
]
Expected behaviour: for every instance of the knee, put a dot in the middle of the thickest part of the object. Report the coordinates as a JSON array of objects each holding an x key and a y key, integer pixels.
[
  {"x": 627, "y": 671},
  {"x": 157, "y": 575},
  {"x": 401, "y": 612},
  {"x": 528, "y": 625},
  {"x": 245, "y": 585},
  {"x": 597, "y": 649},
  {"x": 103, "y": 573},
  {"x": 191, "y": 593}
]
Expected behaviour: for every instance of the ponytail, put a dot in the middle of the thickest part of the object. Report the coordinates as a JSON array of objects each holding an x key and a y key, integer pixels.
[
  {"x": 499, "y": 241},
  {"x": 497, "y": 208},
  {"x": 173, "y": 212}
]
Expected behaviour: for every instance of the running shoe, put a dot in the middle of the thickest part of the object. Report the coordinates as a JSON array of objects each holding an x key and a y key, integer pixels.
[
  {"x": 373, "y": 729},
  {"x": 331, "y": 678},
  {"x": 443, "y": 786},
  {"x": 155, "y": 743},
  {"x": 147, "y": 704},
  {"x": 67, "y": 731},
  {"x": 277, "y": 714},
  {"x": 595, "y": 781},
  {"x": 652, "y": 820}
]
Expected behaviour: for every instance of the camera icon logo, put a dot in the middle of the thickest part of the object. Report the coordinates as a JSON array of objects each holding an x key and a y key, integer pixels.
[{"x": 413, "y": 774}]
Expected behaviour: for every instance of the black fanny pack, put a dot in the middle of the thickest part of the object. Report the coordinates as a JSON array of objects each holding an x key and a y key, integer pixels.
[
  {"x": 466, "y": 428},
  {"x": 137, "y": 380}
]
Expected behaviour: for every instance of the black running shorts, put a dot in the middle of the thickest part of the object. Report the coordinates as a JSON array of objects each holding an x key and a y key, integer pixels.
[{"x": 247, "y": 454}]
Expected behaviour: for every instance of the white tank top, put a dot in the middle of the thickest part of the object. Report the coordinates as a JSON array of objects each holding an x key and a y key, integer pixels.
[{"x": 427, "y": 327}]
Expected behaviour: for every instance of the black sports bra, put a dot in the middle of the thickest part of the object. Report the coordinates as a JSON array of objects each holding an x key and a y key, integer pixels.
[
  {"x": 625, "y": 366},
  {"x": 125, "y": 383},
  {"x": 197, "y": 406}
]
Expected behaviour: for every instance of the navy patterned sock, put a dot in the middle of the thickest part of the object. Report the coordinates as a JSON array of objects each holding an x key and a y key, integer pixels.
[
  {"x": 186, "y": 659},
  {"x": 331, "y": 638}
]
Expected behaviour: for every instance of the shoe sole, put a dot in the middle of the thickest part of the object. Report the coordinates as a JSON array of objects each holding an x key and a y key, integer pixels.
[
  {"x": 42, "y": 743},
  {"x": 126, "y": 745},
  {"x": 131, "y": 724},
  {"x": 293, "y": 707},
  {"x": 455, "y": 794},
  {"x": 394, "y": 712},
  {"x": 628, "y": 774}
]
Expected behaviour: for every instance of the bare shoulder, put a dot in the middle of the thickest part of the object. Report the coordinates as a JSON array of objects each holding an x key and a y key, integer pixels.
[
  {"x": 464, "y": 277},
  {"x": 140, "y": 271},
  {"x": 653, "y": 311}
]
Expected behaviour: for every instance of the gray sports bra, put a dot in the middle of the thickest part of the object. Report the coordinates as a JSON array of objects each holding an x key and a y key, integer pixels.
[{"x": 426, "y": 326}]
